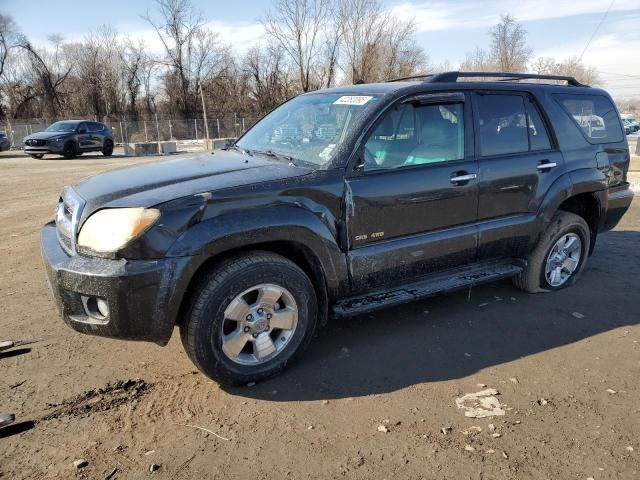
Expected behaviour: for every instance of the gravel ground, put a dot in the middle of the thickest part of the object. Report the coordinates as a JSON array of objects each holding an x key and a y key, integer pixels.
[{"x": 374, "y": 397}]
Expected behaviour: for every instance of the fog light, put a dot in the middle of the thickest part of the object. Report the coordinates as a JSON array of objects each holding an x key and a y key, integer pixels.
[
  {"x": 95, "y": 307},
  {"x": 103, "y": 307}
]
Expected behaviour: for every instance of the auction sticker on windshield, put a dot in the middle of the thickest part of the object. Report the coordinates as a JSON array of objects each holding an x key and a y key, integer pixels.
[{"x": 352, "y": 100}]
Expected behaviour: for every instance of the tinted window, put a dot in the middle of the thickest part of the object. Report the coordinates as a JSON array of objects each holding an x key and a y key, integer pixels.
[
  {"x": 82, "y": 128},
  {"x": 595, "y": 115},
  {"x": 503, "y": 125},
  {"x": 538, "y": 135},
  {"x": 416, "y": 135},
  {"x": 95, "y": 127}
]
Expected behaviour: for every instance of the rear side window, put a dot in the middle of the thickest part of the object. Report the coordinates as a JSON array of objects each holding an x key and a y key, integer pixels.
[
  {"x": 503, "y": 124},
  {"x": 595, "y": 115}
]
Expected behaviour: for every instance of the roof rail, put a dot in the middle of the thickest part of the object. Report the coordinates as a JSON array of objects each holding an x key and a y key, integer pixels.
[
  {"x": 412, "y": 77},
  {"x": 450, "y": 77}
]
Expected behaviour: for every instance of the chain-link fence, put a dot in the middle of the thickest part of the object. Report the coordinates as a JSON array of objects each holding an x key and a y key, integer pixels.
[{"x": 130, "y": 131}]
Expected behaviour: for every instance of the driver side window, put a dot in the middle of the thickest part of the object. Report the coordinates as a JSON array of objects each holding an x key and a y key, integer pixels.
[{"x": 411, "y": 134}]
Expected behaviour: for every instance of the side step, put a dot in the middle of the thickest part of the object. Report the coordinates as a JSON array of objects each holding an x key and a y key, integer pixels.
[{"x": 456, "y": 279}]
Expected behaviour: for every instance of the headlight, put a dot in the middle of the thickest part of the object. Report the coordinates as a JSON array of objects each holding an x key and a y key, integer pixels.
[
  {"x": 58, "y": 139},
  {"x": 111, "y": 229}
]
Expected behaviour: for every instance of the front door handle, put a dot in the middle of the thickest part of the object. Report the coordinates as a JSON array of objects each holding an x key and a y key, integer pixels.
[
  {"x": 546, "y": 165},
  {"x": 463, "y": 178}
]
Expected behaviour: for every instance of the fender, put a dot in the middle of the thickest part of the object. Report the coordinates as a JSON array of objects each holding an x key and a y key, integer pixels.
[
  {"x": 571, "y": 183},
  {"x": 245, "y": 228}
]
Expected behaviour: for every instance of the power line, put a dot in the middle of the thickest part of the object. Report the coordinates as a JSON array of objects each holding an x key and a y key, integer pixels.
[{"x": 596, "y": 30}]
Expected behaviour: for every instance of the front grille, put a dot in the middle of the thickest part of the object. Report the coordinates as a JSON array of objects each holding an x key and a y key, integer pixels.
[
  {"x": 67, "y": 216},
  {"x": 36, "y": 143}
]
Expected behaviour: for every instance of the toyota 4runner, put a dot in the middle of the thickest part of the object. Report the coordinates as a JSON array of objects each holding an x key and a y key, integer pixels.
[{"x": 339, "y": 202}]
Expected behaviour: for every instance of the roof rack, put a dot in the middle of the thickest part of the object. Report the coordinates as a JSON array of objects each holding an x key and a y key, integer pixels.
[
  {"x": 451, "y": 77},
  {"x": 412, "y": 77}
]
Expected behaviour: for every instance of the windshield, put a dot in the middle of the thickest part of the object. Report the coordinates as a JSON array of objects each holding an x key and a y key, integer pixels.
[
  {"x": 62, "y": 127},
  {"x": 308, "y": 128}
]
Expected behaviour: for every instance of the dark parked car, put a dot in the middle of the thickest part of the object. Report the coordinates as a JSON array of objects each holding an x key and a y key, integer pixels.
[
  {"x": 337, "y": 203},
  {"x": 70, "y": 138},
  {"x": 5, "y": 143}
]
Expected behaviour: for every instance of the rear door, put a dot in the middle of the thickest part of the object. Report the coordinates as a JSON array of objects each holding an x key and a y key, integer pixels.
[
  {"x": 97, "y": 134},
  {"x": 518, "y": 163},
  {"x": 84, "y": 136},
  {"x": 411, "y": 206}
]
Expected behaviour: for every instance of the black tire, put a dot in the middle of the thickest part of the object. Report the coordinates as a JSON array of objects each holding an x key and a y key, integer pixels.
[
  {"x": 201, "y": 326},
  {"x": 70, "y": 150},
  {"x": 107, "y": 148},
  {"x": 533, "y": 278},
  {"x": 37, "y": 156}
]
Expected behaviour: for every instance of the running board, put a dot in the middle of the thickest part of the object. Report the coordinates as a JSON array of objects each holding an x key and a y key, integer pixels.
[{"x": 457, "y": 279}]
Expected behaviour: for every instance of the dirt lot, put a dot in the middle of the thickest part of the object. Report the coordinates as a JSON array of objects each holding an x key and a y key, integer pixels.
[{"x": 124, "y": 406}]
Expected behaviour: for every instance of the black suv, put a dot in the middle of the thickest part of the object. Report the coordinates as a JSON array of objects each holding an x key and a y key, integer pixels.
[
  {"x": 339, "y": 202},
  {"x": 70, "y": 138}
]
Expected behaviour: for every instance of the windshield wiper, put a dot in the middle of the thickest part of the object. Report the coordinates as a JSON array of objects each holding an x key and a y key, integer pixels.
[
  {"x": 277, "y": 156},
  {"x": 239, "y": 149}
]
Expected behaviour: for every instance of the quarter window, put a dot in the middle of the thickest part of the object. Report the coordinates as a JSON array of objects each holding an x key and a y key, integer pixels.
[
  {"x": 595, "y": 115},
  {"x": 538, "y": 135},
  {"x": 416, "y": 135}
]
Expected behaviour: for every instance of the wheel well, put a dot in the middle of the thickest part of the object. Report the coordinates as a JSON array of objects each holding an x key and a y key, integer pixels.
[
  {"x": 298, "y": 253},
  {"x": 587, "y": 206}
]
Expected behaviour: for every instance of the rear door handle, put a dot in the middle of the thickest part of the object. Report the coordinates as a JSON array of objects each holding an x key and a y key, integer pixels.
[
  {"x": 463, "y": 178},
  {"x": 546, "y": 165}
]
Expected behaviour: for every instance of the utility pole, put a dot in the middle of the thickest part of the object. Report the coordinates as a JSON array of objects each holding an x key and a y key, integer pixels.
[{"x": 204, "y": 112}]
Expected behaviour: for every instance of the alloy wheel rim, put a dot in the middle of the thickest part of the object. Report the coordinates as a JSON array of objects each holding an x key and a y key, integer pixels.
[
  {"x": 258, "y": 324},
  {"x": 563, "y": 259}
]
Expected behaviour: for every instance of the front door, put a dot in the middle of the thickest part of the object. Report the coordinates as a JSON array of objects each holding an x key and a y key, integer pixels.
[{"x": 412, "y": 199}]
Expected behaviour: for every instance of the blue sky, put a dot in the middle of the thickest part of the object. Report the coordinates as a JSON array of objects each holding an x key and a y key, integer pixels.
[{"x": 446, "y": 29}]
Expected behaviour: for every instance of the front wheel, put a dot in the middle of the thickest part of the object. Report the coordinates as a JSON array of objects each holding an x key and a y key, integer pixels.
[
  {"x": 36, "y": 155},
  {"x": 107, "y": 149},
  {"x": 560, "y": 256},
  {"x": 249, "y": 318},
  {"x": 70, "y": 150}
]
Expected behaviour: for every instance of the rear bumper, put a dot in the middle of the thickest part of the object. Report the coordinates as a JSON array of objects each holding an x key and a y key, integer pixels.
[
  {"x": 143, "y": 296},
  {"x": 618, "y": 200}
]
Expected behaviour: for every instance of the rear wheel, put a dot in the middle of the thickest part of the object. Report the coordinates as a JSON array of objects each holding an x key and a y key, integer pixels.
[
  {"x": 107, "y": 149},
  {"x": 36, "y": 155},
  {"x": 249, "y": 318},
  {"x": 560, "y": 256},
  {"x": 70, "y": 150}
]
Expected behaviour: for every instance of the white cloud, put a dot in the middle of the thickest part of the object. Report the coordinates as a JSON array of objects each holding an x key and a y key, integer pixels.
[{"x": 440, "y": 15}]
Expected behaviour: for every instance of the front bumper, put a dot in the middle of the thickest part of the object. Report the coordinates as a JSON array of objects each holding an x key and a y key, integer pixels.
[
  {"x": 143, "y": 296},
  {"x": 47, "y": 148}
]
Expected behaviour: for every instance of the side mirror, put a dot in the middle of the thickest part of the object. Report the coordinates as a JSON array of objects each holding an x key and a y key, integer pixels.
[{"x": 82, "y": 130}]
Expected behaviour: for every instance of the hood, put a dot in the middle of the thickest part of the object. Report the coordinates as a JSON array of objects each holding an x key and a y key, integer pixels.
[
  {"x": 154, "y": 183},
  {"x": 46, "y": 135}
]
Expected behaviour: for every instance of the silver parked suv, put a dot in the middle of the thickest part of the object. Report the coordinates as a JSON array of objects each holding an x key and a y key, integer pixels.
[{"x": 70, "y": 138}]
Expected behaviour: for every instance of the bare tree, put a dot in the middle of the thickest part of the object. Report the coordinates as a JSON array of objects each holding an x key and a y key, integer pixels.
[
  {"x": 133, "y": 57},
  {"x": 571, "y": 66},
  {"x": 479, "y": 61},
  {"x": 296, "y": 26},
  {"x": 268, "y": 77},
  {"x": 8, "y": 39},
  {"x": 49, "y": 74},
  {"x": 177, "y": 28},
  {"x": 509, "y": 48},
  {"x": 330, "y": 49}
]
